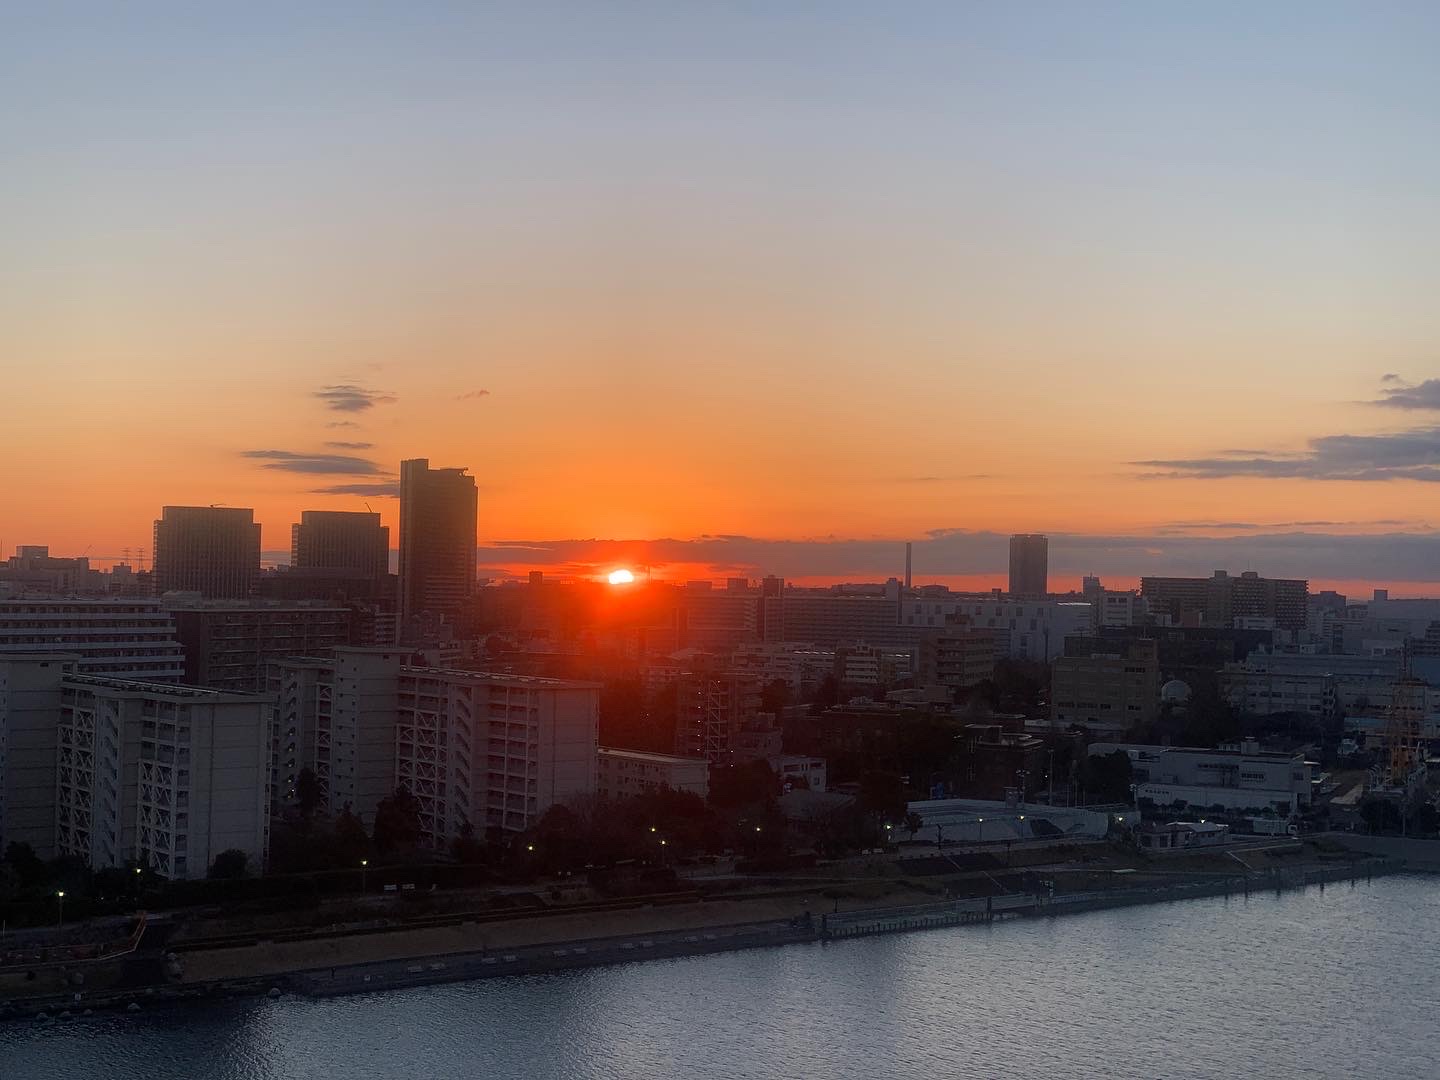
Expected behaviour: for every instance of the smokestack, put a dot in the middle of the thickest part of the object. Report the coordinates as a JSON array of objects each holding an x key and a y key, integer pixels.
[{"x": 908, "y": 547}]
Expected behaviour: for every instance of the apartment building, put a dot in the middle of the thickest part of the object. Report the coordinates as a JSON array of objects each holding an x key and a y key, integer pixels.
[{"x": 123, "y": 638}]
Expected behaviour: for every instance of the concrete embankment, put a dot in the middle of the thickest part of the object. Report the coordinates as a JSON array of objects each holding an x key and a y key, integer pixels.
[{"x": 1422, "y": 856}]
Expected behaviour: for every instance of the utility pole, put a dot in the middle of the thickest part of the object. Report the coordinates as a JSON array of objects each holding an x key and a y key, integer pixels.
[{"x": 1050, "y": 775}]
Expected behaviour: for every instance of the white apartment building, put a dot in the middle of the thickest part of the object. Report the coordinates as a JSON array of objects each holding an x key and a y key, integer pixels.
[
  {"x": 129, "y": 639},
  {"x": 133, "y": 772},
  {"x": 474, "y": 748},
  {"x": 1318, "y": 684},
  {"x": 625, "y": 773}
]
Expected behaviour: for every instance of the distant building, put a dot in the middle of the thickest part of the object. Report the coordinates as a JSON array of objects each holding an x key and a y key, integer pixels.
[
  {"x": 1221, "y": 599},
  {"x": 437, "y": 539},
  {"x": 1033, "y": 630},
  {"x": 229, "y": 646},
  {"x": 711, "y": 708},
  {"x": 625, "y": 773},
  {"x": 956, "y": 658},
  {"x": 33, "y": 569},
  {"x": 1107, "y": 692},
  {"x": 353, "y": 543},
  {"x": 1029, "y": 565},
  {"x": 132, "y": 772},
  {"x": 1236, "y": 778},
  {"x": 210, "y": 550},
  {"x": 128, "y": 639}
]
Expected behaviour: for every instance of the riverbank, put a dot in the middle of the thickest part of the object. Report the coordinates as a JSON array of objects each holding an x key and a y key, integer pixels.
[{"x": 692, "y": 931}]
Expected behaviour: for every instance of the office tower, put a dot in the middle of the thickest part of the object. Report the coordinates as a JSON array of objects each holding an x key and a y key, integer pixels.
[
  {"x": 1029, "y": 565},
  {"x": 347, "y": 542},
  {"x": 212, "y": 550},
  {"x": 437, "y": 539},
  {"x": 125, "y": 638}
]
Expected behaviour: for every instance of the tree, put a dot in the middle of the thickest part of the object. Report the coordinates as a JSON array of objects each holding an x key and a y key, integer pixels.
[
  {"x": 26, "y": 863},
  {"x": 913, "y": 823},
  {"x": 883, "y": 794},
  {"x": 307, "y": 793},
  {"x": 1106, "y": 778},
  {"x": 465, "y": 848},
  {"x": 229, "y": 865},
  {"x": 350, "y": 842},
  {"x": 774, "y": 696},
  {"x": 397, "y": 823}
]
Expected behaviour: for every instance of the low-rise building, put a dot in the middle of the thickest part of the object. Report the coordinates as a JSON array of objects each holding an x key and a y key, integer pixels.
[
  {"x": 1239, "y": 777},
  {"x": 622, "y": 773}
]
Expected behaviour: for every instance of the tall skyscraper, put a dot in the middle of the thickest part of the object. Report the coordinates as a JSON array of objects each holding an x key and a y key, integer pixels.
[
  {"x": 212, "y": 550},
  {"x": 1029, "y": 565},
  {"x": 437, "y": 539},
  {"x": 342, "y": 541}
]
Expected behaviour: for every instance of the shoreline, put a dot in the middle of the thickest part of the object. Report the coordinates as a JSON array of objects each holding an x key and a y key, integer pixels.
[{"x": 378, "y": 975}]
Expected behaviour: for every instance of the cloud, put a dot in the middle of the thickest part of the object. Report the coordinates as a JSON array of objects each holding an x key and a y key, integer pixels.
[
  {"x": 347, "y": 397},
  {"x": 350, "y": 445},
  {"x": 1390, "y": 376},
  {"x": 316, "y": 464},
  {"x": 389, "y": 489},
  {"x": 472, "y": 394},
  {"x": 342, "y": 424},
  {"x": 1401, "y": 455},
  {"x": 1425, "y": 395}
]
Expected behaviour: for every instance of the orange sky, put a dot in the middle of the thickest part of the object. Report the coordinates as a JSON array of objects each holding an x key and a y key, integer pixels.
[{"x": 819, "y": 282}]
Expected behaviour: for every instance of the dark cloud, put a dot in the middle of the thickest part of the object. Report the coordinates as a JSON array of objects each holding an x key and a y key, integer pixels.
[
  {"x": 472, "y": 394},
  {"x": 347, "y": 397},
  {"x": 1425, "y": 395},
  {"x": 316, "y": 464},
  {"x": 350, "y": 445},
  {"x": 389, "y": 489},
  {"x": 1390, "y": 376},
  {"x": 1401, "y": 455},
  {"x": 1376, "y": 556}
]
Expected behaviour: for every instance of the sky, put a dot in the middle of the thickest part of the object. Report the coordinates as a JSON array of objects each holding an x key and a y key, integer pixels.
[{"x": 774, "y": 287}]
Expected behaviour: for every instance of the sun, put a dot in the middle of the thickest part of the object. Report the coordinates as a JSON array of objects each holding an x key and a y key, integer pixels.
[{"x": 621, "y": 577}]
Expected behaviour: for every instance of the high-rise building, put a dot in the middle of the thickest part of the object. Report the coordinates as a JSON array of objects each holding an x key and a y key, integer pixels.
[
  {"x": 474, "y": 748},
  {"x": 1029, "y": 565},
  {"x": 230, "y": 646},
  {"x": 212, "y": 550},
  {"x": 115, "y": 771},
  {"x": 341, "y": 540},
  {"x": 437, "y": 539}
]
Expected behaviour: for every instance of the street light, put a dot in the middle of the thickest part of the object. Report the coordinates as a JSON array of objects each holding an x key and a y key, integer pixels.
[
  {"x": 60, "y": 896},
  {"x": 364, "y": 873}
]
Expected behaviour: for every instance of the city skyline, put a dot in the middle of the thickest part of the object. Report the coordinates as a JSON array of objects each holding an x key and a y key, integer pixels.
[{"x": 810, "y": 280}]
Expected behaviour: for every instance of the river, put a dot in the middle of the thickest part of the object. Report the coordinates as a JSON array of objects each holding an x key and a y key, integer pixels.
[{"x": 1339, "y": 982}]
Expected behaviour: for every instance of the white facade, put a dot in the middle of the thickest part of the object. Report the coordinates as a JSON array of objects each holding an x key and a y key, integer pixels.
[
  {"x": 129, "y": 639},
  {"x": 626, "y": 773},
  {"x": 474, "y": 748},
  {"x": 1237, "y": 778},
  {"x": 116, "y": 771},
  {"x": 1025, "y": 629}
]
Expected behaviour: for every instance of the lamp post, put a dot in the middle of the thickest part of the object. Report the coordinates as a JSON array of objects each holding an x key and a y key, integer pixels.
[
  {"x": 60, "y": 898},
  {"x": 364, "y": 874}
]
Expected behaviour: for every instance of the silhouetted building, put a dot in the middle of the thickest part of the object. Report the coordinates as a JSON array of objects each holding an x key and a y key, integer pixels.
[
  {"x": 1221, "y": 600},
  {"x": 230, "y": 646},
  {"x": 211, "y": 550},
  {"x": 1108, "y": 692},
  {"x": 437, "y": 539},
  {"x": 956, "y": 658},
  {"x": 339, "y": 540},
  {"x": 1029, "y": 565}
]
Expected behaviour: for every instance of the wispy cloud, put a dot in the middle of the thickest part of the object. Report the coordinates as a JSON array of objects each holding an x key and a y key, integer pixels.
[
  {"x": 348, "y": 397},
  {"x": 342, "y": 424},
  {"x": 470, "y": 394},
  {"x": 350, "y": 445},
  {"x": 390, "y": 489},
  {"x": 1401, "y": 455},
  {"x": 314, "y": 464},
  {"x": 1402, "y": 395}
]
